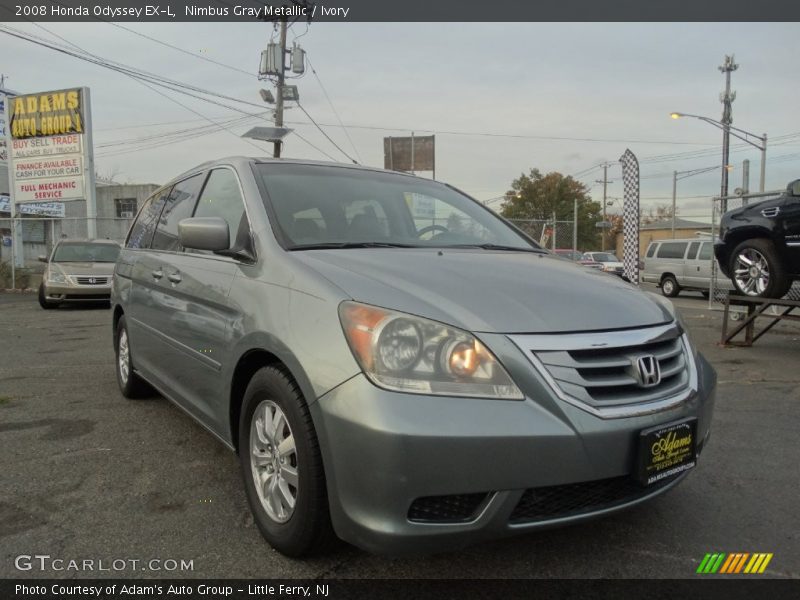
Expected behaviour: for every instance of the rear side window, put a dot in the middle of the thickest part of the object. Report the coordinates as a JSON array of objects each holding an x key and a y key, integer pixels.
[
  {"x": 142, "y": 230},
  {"x": 692, "y": 250},
  {"x": 672, "y": 250},
  {"x": 651, "y": 250},
  {"x": 178, "y": 206},
  {"x": 705, "y": 251},
  {"x": 221, "y": 197}
]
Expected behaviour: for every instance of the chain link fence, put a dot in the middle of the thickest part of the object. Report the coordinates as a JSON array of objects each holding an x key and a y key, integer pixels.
[
  {"x": 39, "y": 236},
  {"x": 721, "y": 285},
  {"x": 549, "y": 233}
]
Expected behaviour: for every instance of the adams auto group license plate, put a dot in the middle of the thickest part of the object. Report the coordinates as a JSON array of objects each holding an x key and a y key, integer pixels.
[{"x": 667, "y": 450}]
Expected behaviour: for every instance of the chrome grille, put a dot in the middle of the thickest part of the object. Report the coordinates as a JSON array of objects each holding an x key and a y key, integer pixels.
[
  {"x": 598, "y": 371},
  {"x": 91, "y": 280}
]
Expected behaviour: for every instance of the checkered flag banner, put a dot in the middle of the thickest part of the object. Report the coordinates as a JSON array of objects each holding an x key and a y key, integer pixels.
[{"x": 630, "y": 216}]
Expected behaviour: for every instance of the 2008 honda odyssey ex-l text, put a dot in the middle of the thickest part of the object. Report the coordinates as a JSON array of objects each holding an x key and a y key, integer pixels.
[{"x": 396, "y": 364}]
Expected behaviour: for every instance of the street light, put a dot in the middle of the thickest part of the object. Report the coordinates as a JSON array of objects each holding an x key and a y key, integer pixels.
[{"x": 741, "y": 134}]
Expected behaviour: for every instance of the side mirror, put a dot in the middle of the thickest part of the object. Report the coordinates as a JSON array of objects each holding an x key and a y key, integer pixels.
[
  {"x": 204, "y": 233},
  {"x": 794, "y": 188},
  {"x": 42, "y": 258}
]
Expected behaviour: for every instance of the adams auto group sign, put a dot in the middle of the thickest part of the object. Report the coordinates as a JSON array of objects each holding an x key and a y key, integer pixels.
[{"x": 50, "y": 156}]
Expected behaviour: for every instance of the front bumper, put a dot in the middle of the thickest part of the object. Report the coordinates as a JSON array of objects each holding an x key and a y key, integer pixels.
[
  {"x": 383, "y": 450},
  {"x": 59, "y": 292}
]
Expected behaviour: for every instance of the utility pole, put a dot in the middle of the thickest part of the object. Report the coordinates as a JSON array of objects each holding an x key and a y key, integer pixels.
[
  {"x": 727, "y": 97},
  {"x": 605, "y": 189},
  {"x": 674, "y": 200},
  {"x": 279, "y": 89},
  {"x": 575, "y": 224}
]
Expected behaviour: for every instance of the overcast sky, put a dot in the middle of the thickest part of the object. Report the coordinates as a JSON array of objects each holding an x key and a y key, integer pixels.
[{"x": 594, "y": 81}]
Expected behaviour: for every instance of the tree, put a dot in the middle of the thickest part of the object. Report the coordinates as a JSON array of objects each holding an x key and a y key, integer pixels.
[
  {"x": 660, "y": 212},
  {"x": 536, "y": 196}
]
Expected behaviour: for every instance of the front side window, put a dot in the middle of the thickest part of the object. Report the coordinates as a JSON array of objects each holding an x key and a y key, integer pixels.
[
  {"x": 178, "y": 206},
  {"x": 706, "y": 251},
  {"x": 316, "y": 206},
  {"x": 222, "y": 197},
  {"x": 85, "y": 252},
  {"x": 672, "y": 250},
  {"x": 141, "y": 232}
]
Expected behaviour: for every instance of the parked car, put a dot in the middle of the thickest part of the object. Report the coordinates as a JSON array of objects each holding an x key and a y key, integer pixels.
[
  {"x": 405, "y": 386},
  {"x": 759, "y": 245},
  {"x": 578, "y": 257},
  {"x": 611, "y": 264},
  {"x": 681, "y": 264},
  {"x": 78, "y": 271}
]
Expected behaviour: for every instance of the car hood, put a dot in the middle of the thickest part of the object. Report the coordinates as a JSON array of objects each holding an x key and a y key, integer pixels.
[
  {"x": 488, "y": 291},
  {"x": 86, "y": 268}
]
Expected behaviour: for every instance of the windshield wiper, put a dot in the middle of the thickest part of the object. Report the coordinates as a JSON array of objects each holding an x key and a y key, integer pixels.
[
  {"x": 499, "y": 247},
  {"x": 347, "y": 245}
]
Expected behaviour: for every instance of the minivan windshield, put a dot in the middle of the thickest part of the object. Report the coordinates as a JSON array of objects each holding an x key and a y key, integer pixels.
[
  {"x": 86, "y": 252},
  {"x": 319, "y": 206}
]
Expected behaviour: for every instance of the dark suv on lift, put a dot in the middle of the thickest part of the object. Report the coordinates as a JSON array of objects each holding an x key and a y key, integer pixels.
[{"x": 759, "y": 245}]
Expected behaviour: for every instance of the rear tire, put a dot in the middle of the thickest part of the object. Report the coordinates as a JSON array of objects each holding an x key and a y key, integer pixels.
[
  {"x": 282, "y": 465},
  {"x": 756, "y": 270},
  {"x": 130, "y": 384},
  {"x": 43, "y": 301},
  {"x": 670, "y": 287}
]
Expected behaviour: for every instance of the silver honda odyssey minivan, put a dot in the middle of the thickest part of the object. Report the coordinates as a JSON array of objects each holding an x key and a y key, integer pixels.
[{"x": 394, "y": 363}]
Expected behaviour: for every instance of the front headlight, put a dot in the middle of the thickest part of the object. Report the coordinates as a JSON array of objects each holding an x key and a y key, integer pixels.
[
  {"x": 54, "y": 276},
  {"x": 410, "y": 354}
]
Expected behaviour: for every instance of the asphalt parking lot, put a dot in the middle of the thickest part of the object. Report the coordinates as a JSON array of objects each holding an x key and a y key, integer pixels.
[{"x": 88, "y": 474}]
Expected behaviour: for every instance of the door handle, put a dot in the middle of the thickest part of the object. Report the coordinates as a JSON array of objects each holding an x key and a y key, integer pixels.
[
  {"x": 158, "y": 274},
  {"x": 174, "y": 277}
]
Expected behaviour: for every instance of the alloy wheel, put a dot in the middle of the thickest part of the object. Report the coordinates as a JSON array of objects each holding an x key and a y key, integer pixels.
[
  {"x": 751, "y": 272},
  {"x": 124, "y": 357},
  {"x": 273, "y": 461}
]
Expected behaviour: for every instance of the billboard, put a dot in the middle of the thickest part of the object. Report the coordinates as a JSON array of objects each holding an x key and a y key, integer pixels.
[
  {"x": 410, "y": 153},
  {"x": 46, "y": 113},
  {"x": 49, "y": 147}
]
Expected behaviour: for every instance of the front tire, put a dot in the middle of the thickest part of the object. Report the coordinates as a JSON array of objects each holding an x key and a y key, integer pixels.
[
  {"x": 670, "y": 287},
  {"x": 756, "y": 270},
  {"x": 282, "y": 465},
  {"x": 130, "y": 384}
]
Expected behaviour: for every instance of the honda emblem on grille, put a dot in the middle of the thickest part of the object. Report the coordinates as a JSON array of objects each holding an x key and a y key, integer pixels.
[
  {"x": 648, "y": 372},
  {"x": 92, "y": 280}
]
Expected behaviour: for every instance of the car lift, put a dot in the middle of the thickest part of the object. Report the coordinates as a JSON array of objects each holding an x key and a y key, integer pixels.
[{"x": 756, "y": 307}]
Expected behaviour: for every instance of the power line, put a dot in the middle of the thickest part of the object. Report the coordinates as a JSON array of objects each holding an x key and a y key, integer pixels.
[
  {"x": 333, "y": 108},
  {"x": 88, "y": 54},
  {"x": 325, "y": 134},
  {"x": 193, "y": 54}
]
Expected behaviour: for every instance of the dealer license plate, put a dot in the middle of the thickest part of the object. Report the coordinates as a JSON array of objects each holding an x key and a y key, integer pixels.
[{"x": 667, "y": 450}]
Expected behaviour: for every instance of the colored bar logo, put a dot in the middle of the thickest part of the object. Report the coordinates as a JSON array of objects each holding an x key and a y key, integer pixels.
[{"x": 734, "y": 563}]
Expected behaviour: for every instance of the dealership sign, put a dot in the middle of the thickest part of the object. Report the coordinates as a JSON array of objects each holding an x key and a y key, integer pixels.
[
  {"x": 42, "y": 209},
  {"x": 3, "y": 144},
  {"x": 49, "y": 154}
]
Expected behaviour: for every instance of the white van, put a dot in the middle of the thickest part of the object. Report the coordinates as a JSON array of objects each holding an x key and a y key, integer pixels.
[{"x": 676, "y": 265}]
